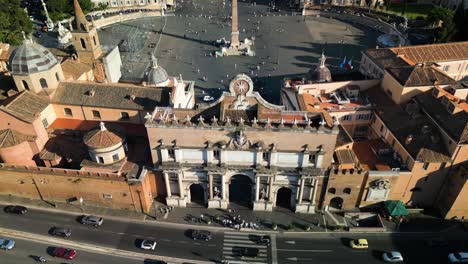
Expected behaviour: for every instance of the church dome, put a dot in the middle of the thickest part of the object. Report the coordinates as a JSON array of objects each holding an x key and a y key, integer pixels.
[
  {"x": 31, "y": 58},
  {"x": 101, "y": 138},
  {"x": 156, "y": 75}
]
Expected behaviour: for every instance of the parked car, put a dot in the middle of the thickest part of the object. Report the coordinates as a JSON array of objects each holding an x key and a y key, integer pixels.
[
  {"x": 359, "y": 243},
  {"x": 16, "y": 209},
  {"x": 148, "y": 244},
  {"x": 65, "y": 253},
  {"x": 201, "y": 235},
  {"x": 458, "y": 257},
  {"x": 208, "y": 98},
  {"x": 60, "y": 231},
  {"x": 92, "y": 220},
  {"x": 6, "y": 244},
  {"x": 393, "y": 256}
]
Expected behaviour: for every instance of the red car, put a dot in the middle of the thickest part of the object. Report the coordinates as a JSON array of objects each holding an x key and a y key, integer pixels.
[{"x": 64, "y": 253}]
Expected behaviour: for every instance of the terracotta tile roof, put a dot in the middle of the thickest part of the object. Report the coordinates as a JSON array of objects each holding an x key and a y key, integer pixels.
[
  {"x": 73, "y": 69},
  {"x": 346, "y": 156},
  {"x": 10, "y": 138},
  {"x": 434, "y": 52},
  {"x": 343, "y": 137},
  {"x": 426, "y": 144},
  {"x": 111, "y": 95},
  {"x": 26, "y": 106},
  {"x": 456, "y": 125},
  {"x": 99, "y": 138},
  {"x": 419, "y": 76}
]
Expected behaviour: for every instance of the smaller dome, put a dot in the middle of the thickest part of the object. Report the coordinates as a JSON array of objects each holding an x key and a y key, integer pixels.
[
  {"x": 31, "y": 58},
  {"x": 156, "y": 75},
  {"x": 321, "y": 73},
  {"x": 101, "y": 138}
]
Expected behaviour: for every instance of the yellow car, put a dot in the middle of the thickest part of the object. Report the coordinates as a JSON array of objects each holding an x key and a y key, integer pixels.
[{"x": 359, "y": 243}]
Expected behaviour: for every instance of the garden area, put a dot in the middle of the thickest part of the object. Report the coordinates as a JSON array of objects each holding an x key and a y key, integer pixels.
[{"x": 411, "y": 11}]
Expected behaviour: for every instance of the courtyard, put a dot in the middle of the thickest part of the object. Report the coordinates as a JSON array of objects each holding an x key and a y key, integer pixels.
[{"x": 286, "y": 44}]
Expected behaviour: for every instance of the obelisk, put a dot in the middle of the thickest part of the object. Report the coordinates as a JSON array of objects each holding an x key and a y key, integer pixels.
[{"x": 235, "y": 28}]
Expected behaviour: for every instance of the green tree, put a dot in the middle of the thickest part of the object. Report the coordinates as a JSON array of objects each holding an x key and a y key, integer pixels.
[
  {"x": 461, "y": 22},
  {"x": 13, "y": 20},
  {"x": 443, "y": 19},
  {"x": 61, "y": 9}
]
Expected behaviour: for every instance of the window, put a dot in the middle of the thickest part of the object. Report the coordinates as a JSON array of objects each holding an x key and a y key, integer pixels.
[
  {"x": 124, "y": 115},
  {"x": 171, "y": 153},
  {"x": 107, "y": 196},
  {"x": 446, "y": 68},
  {"x": 266, "y": 156},
  {"x": 389, "y": 92},
  {"x": 83, "y": 43},
  {"x": 348, "y": 117},
  {"x": 332, "y": 190},
  {"x": 100, "y": 159},
  {"x": 216, "y": 154},
  {"x": 425, "y": 165},
  {"x": 115, "y": 157},
  {"x": 347, "y": 190},
  {"x": 312, "y": 158},
  {"x": 442, "y": 165},
  {"x": 25, "y": 85},
  {"x": 68, "y": 112},
  {"x": 94, "y": 40},
  {"x": 96, "y": 114},
  {"x": 381, "y": 128},
  {"x": 363, "y": 116},
  {"x": 43, "y": 83},
  {"x": 57, "y": 77},
  {"x": 45, "y": 123}
]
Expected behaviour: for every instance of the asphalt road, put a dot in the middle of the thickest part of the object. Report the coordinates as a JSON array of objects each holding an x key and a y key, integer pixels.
[
  {"x": 25, "y": 251},
  {"x": 173, "y": 242}
]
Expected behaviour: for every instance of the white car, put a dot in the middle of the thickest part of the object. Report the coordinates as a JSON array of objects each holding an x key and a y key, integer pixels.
[
  {"x": 6, "y": 244},
  {"x": 393, "y": 256},
  {"x": 458, "y": 257},
  {"x": 148, "y": 244},
  {"x": 208, "y": 98}
]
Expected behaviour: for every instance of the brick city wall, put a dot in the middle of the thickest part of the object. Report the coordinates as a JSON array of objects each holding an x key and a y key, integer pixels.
[{"x": 59, "y": 185}]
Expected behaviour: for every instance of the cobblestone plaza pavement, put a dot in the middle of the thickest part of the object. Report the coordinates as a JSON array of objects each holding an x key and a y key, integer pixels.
[{"x": 286, "y": 44}]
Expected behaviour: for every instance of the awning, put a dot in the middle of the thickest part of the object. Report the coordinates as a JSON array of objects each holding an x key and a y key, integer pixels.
[{"x": 395, "y": 208}]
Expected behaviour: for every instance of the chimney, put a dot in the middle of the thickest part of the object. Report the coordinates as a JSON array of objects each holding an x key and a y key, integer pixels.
[
  {"x": 91, "y": 93},
  {"x": 408, "y": 139},
  {"x": 131, "y": 97}
]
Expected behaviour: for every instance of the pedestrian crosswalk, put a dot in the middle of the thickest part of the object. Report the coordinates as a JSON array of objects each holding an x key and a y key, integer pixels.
[{"x": 235, "y": 242}]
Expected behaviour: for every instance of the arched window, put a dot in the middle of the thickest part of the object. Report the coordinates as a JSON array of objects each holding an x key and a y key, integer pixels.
[
  {"x": 347, "y": 190},
  {"x": 94, "y": 39},
  {"x": 332, "y": 190},
  {"x": 83, "y": 43},
  {"x": 82, "y": 26},
  {"x": 43, "y": 83},
  {"x": 25, "y": 85},
  {"x": 57, "y": 77}
]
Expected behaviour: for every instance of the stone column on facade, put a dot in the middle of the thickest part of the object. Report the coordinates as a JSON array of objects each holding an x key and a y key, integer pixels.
[
  {"x": 301, "y": 190},
  {"x": 273, "y": 158},
  {"x": 222, "y": 156},
  {"x": 168, "y": 184},
  {"x": 258, "y": 158},
  {"x": 318, "y": 163},
  {"x": 314, "y": 196},
  {"x": 209, "y": 156},
  {"x": 210, "y": 185},
  {"x": 164, "y": 154},
  {"x": 223, "y": 187},
  {"x": 181, "y": 187},
  {"x": 270, "y": 189},
  {"x": 257, "y": 188}
]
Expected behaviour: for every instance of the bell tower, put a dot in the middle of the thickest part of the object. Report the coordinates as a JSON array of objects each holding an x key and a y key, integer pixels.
[{"x": 85, "y": 37}]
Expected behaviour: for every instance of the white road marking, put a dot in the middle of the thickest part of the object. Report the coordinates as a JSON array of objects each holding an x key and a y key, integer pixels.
[
  {"x": 292, "y": 242},
  {"x": 274, "y": 257},
  {"x": 306, "y": 250}
]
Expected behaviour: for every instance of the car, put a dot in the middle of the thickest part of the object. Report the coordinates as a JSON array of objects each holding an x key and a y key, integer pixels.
[
  {"x": 208, "y": 98},
  {"x": 201, "y": 235},
  {"x": 263, "y": 240},
  {"x": 65, "y": 253},
  {"x": 92, "y": 220},
  {"x": 16, "y": 209},
  {"x": 148, "y": 244},
  {"x": 60, "y": 231},
  {"x": 246, "y": 252},
  {"x": 458, "y": 257},
  {"x": 359, "y": 243},
  {"x": 393, "y": 256},
  {"x": 6, "y": 244}
]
